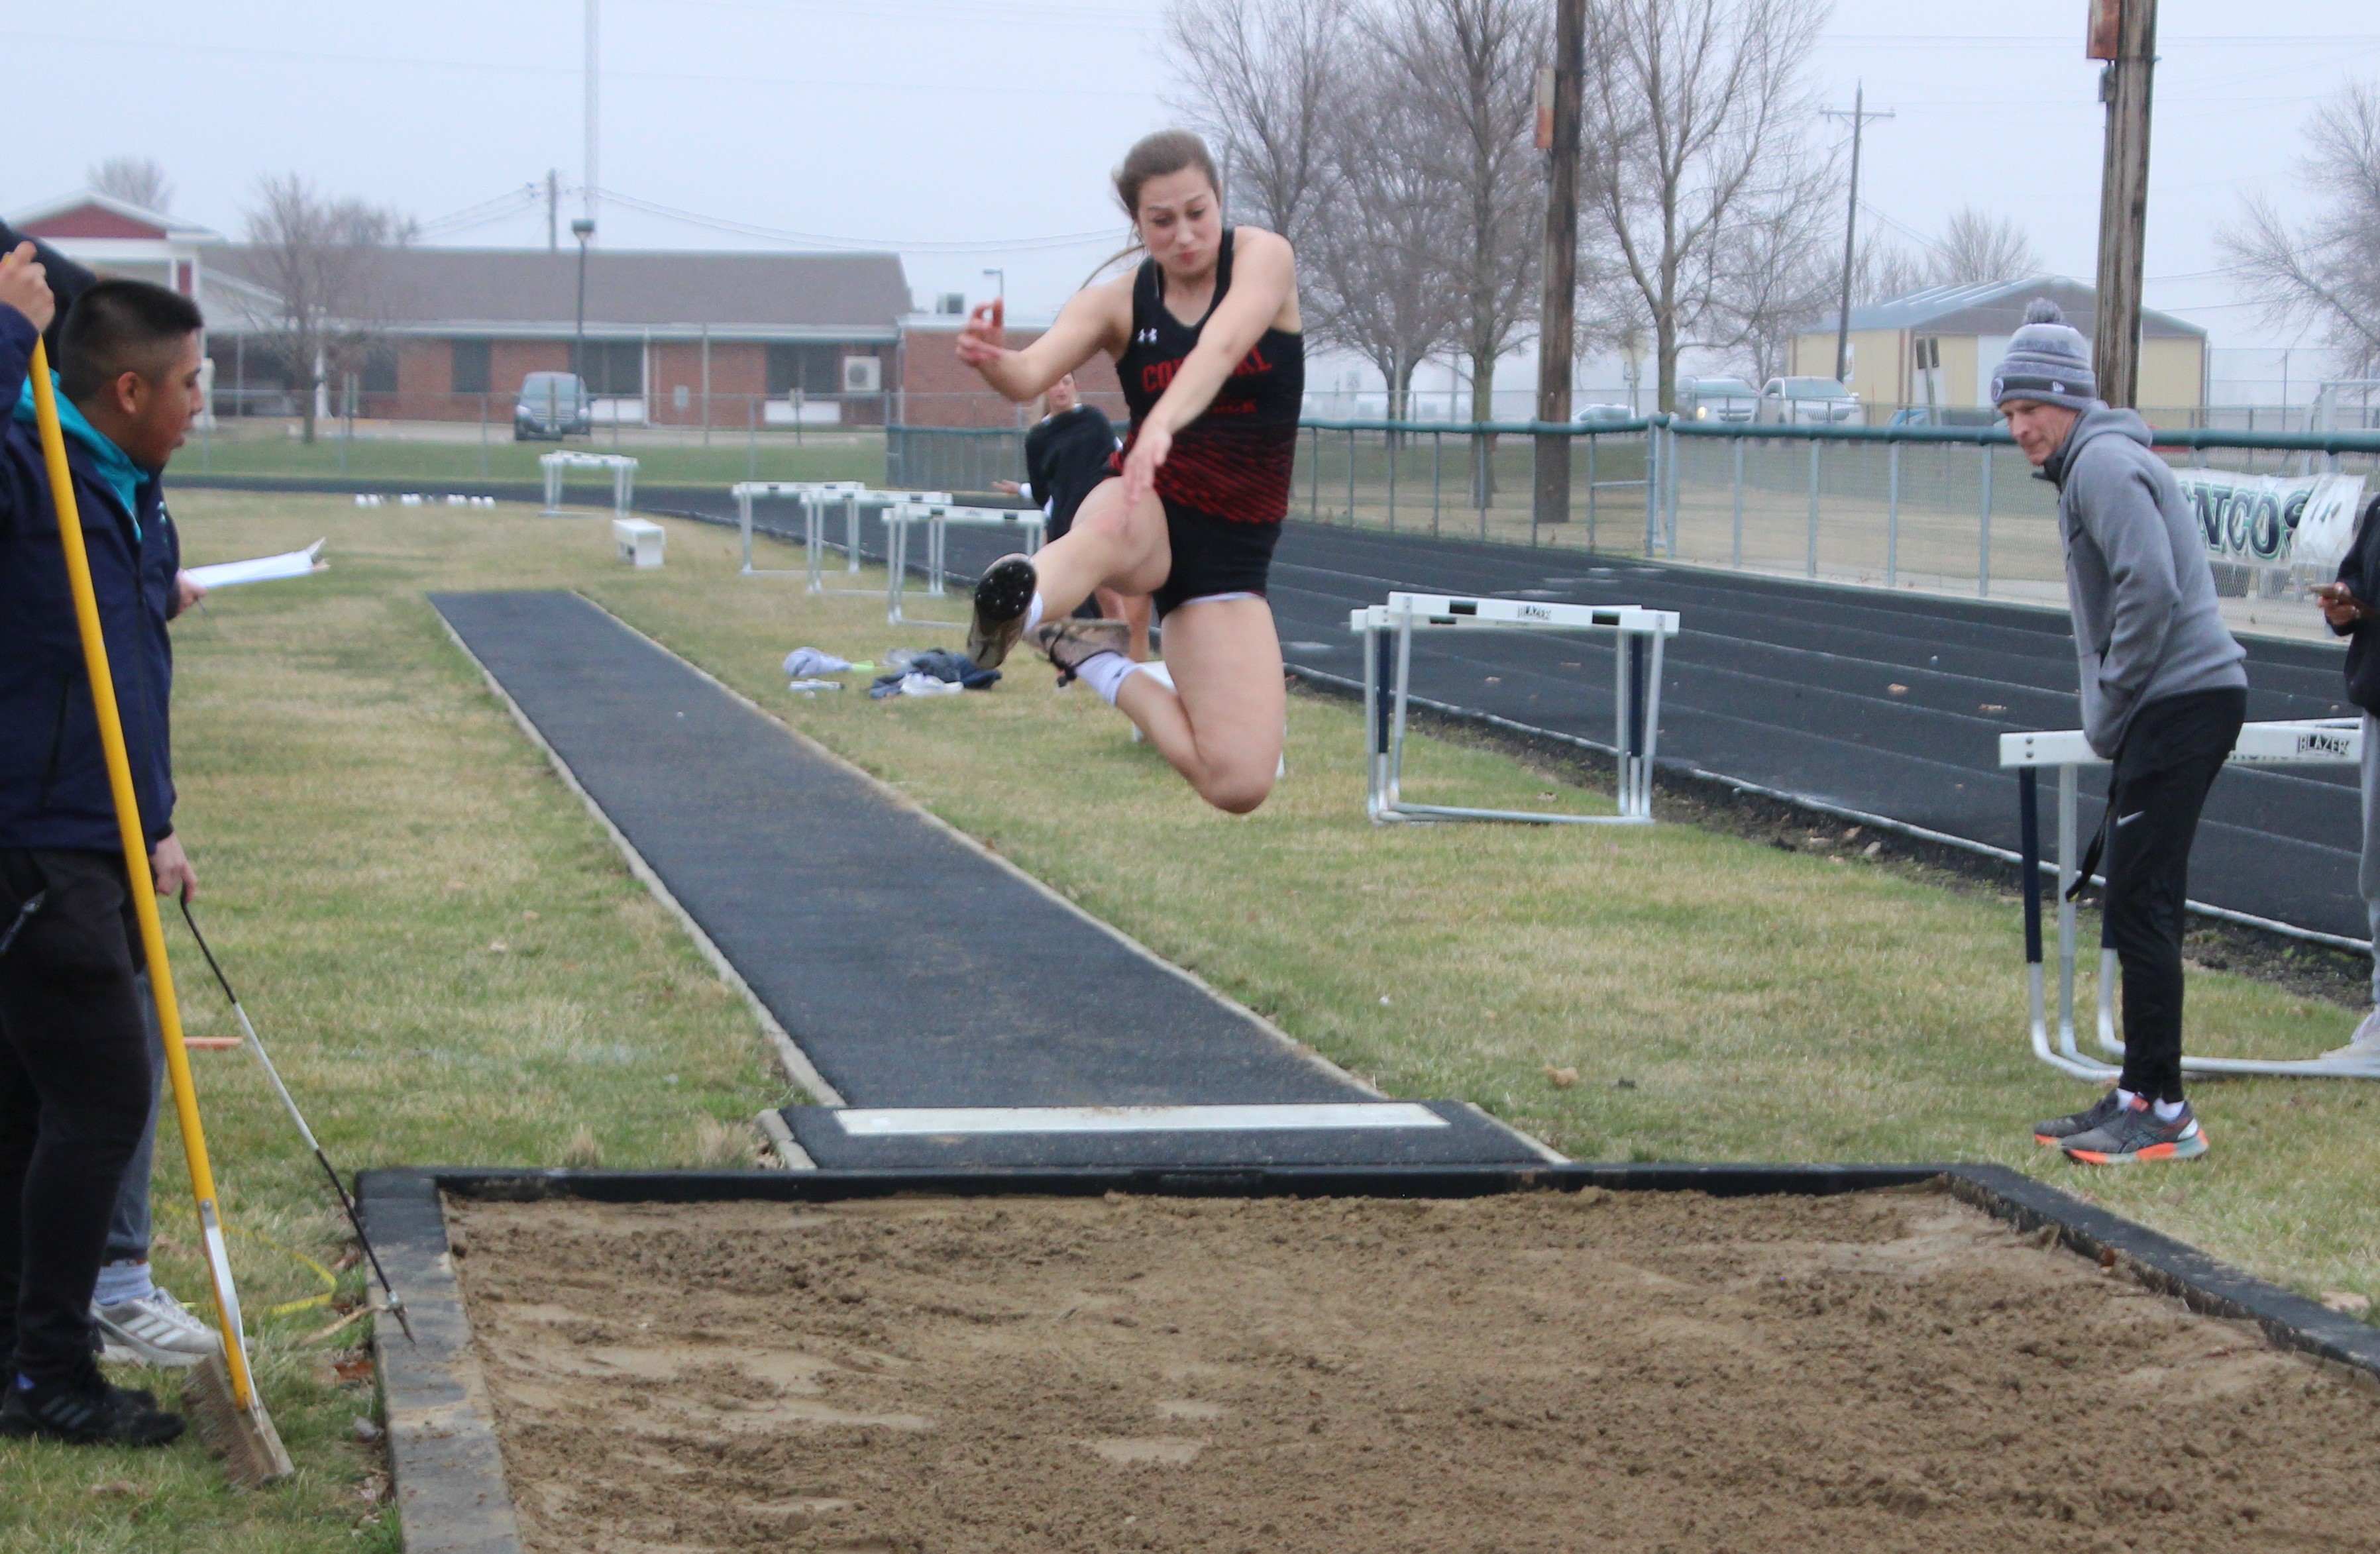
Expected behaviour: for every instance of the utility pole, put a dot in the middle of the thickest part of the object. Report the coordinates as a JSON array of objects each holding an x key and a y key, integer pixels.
[
  {"x": 584, "y": 230},
  {"x": 553, "y": 209},
  {"x": 2123, "y": 32},
  {"x": 1558, "y": 132},
  {"x": 591, "y": 73},
  {"x": 1859, "y": 116}
]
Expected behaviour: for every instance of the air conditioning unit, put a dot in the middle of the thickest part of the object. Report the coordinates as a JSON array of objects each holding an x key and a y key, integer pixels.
[{"x": 863, "y": 375}]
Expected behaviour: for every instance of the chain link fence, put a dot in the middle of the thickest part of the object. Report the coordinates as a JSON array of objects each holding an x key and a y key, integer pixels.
[{"x": 1950, "y": 510}]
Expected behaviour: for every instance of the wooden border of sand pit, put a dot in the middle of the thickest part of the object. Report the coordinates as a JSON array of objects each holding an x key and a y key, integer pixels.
[{"x": 448, "y": 1471}]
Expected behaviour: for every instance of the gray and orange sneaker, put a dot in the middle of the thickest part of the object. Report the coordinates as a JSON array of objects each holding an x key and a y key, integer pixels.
[
  {"x": 2134, "y": 1134},
  {"x": 2058, "y": 1130},
  {"x": 1001, "y": 596},
  {"x": 1073, "y": 642}
]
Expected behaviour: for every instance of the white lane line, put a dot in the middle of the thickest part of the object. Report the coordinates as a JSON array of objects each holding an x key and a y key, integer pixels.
[{"x": 889, "y": 1122}]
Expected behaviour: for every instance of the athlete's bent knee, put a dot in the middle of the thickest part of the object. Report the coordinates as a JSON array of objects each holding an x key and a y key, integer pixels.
[{"x": 1237, "y": 792}]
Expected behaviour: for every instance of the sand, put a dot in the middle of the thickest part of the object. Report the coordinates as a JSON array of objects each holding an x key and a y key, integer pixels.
[{"x": 1653, "y": 1372}]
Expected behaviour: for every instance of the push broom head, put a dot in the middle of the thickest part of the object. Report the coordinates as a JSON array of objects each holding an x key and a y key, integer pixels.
[{"x": 244, "y": 1439}]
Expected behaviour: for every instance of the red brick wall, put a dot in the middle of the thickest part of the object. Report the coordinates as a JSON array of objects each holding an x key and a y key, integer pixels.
[
  {"x": 738, "y": 368},
  {"x": 937, "y": 389}
]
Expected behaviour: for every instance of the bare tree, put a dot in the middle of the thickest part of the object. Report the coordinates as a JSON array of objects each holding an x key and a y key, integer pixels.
[
  {"x": 135, "y": 180},
  {"x": 2326, "y": 272},
  {"x": 1777, "y": 269},
  {"x": 1976, "y": 249},
  {"x": 324, "y": 260},
  {"x": 1691, "y": 107},
  {"x": 1471, "y": 68},
  {"x": 1371, "y": 271},
  {"x": 1266, "y": 80}
]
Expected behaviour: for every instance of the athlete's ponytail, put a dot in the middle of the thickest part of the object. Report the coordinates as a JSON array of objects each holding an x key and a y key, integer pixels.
[{"x": 1154, "y": 156}]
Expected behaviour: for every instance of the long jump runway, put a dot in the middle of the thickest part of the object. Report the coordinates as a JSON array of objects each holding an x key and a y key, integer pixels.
[
  {"x": 962, "y": 1014},
  {"x": 1860, "y": 699}
]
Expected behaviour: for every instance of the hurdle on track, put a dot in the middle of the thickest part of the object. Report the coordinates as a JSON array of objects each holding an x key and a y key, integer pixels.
[
  {"x": 624, "y": 478},
  {"x": 2316, "y": 742},
  {"x": 940, "y": 515},
  {"x": 813, "y": 497},
  {"x": 1387, "y": 633},
  {"x": 853, "y": 500}
]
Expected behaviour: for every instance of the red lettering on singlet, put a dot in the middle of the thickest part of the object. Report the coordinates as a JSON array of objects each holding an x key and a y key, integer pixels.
[{"x": 1157, "y": 374}]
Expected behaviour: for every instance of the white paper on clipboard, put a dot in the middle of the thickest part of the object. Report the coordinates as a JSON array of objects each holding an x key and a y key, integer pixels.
[{"x": 262, "y": 569}]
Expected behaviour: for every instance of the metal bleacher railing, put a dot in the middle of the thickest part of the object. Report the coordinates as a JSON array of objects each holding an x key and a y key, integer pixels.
[{"x": 1945, "y": 509}]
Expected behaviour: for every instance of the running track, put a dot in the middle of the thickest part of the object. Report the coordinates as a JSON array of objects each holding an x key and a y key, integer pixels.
[{"x": 1857, "y": 699}]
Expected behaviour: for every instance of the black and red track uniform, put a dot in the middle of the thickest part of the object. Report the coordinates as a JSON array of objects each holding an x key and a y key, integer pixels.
[{"x": 1226, "y": 483}]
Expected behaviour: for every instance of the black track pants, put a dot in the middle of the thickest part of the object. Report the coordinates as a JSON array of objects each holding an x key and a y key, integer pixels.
[
  {"x": 75, "y": 1060},
  {"x": 2171, "y": 755}
]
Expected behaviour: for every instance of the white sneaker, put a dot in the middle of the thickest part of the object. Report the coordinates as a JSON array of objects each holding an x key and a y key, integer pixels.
[
  {"x": 159, "y": 1330},
  {"x": 2365, "y": 1042}
]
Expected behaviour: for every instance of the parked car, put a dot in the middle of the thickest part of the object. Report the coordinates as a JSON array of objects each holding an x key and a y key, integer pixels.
[
  {"x": 1718, "y": 399},
  {"x": 1944, "y": 415},
  {"x": 1596, "y": 414},
  {"x": 1807, "y": 401},
  {"x": 552, "y": 406}
]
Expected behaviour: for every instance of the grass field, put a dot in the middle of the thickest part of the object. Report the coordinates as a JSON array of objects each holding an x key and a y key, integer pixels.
[
  {"x": 454, "y": 966},
  {"x": 238, "y": 451}
]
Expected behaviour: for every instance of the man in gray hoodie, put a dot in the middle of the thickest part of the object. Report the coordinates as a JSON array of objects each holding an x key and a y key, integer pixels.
[{"x": 2164, "y": 693}]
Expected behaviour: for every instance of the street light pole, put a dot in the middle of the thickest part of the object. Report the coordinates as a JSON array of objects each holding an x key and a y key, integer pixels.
[
  {"x": 582, "y": 229},
  {"x": 1000, "y": 277}
]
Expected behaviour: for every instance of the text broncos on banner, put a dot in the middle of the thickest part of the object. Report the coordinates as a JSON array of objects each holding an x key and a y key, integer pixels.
[{"x": 2274, "y": 520}]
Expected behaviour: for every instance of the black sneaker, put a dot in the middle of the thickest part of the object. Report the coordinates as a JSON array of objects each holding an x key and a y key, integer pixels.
[
  {"x": 1071, "y": 643},
  {"x": 1001, "y": 596},
  {"x": 2136, "y": 1134},
  {"x": 83, "y": 1410},
  {"x": 2058, "y": 1130}
]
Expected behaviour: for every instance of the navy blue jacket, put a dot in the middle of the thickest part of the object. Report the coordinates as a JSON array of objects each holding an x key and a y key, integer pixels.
[{"x": 53, "y": 790}]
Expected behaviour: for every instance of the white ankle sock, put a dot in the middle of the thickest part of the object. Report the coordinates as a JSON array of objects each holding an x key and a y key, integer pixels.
[
  {"x": 119, "y": 1282},
  {"x": 1106, "y": 672},
  {"x": 1033, "y": 613},
  {"x": 2167, "y": 1110},
  {"x": 2128, "y": 1098}
]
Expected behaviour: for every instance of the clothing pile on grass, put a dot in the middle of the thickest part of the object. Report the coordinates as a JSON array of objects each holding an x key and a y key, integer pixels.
[{"x": 910, "y": 671}]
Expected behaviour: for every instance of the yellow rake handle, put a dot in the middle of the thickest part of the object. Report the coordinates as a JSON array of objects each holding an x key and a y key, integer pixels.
[{"x": 138, "y": 876}]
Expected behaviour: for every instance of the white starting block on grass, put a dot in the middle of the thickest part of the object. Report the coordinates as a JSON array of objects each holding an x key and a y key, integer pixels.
[
  {"x": 1387, "y": 631},
  {"x": 622, "y": 467},
  {"x": 813, "y": 497},
  {"x": 939, "y": 517},
  {"x": 2315, "y": 741},
  {"x": 640, "y": 540}
]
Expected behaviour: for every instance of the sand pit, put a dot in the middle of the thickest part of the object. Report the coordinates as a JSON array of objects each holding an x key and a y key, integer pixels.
[{"x": 1637, "y": 1371}]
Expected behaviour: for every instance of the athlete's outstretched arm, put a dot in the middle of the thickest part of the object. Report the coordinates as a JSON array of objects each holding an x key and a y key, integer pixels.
[
  {"x": 1264, "y": 279},
  {"x": 1096, "y": 319}
]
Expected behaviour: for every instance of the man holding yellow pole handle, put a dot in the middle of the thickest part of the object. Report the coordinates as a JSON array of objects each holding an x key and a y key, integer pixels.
[{"x": 74, "y": 1052}]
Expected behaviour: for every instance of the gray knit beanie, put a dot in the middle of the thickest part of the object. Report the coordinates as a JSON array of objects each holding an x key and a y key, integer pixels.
[{"x": 2048, "y": 362}]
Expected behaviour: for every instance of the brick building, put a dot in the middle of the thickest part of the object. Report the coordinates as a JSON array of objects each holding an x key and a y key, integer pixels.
[
  {"x": 937, "y": 390},
  {"x": 680, "y": 338},
  {"x": 672, "y": 339}
]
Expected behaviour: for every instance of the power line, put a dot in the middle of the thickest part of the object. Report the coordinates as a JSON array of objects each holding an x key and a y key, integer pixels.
[{"x": 872, "y": 245}]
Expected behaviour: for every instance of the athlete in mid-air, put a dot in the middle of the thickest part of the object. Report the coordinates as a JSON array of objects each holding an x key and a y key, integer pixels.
[{"x": 1206, "y": 338}]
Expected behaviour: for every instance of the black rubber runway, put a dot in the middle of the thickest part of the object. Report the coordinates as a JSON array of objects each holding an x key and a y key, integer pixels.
[
  {"x": 911, "y": 969},
  {"x": 1789, "y": 686}
]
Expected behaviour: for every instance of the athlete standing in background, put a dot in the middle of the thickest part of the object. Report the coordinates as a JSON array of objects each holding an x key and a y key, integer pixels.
[
  {"x": 1070, "y": 449},
  {"x": 1206, "y": 337}
]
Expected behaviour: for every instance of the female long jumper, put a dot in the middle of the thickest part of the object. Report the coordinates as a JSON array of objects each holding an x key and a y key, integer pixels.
[{"x": 1206, "y": 338}]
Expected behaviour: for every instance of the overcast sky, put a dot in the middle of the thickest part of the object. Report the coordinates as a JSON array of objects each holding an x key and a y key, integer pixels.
[{"x": 972, "y": 134}]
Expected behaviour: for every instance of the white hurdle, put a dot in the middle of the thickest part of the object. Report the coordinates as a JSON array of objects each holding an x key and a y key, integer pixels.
[
  {"x": 622, "y": 467},
  {"x": 2315, "y": 741},
  {"x": 1387, "y": 633},
  {"x": 940, "y": 515},
  {"x": 812, "y": 496}
]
